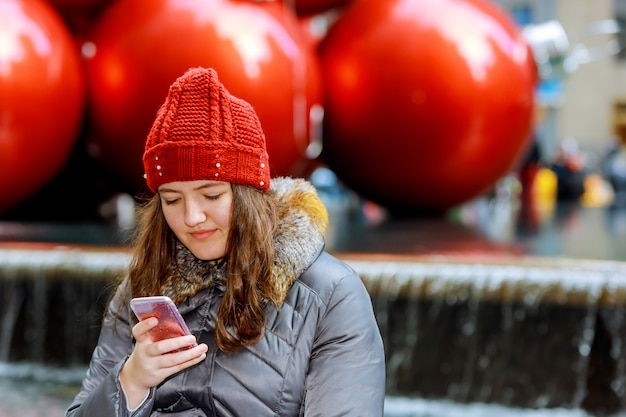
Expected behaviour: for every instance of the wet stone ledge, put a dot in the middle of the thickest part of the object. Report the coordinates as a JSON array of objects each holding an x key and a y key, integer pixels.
[{"x": 521, "y": 332}]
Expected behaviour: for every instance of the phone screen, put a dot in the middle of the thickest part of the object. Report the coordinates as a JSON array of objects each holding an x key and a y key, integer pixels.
[{"x": 171, "y": 323}]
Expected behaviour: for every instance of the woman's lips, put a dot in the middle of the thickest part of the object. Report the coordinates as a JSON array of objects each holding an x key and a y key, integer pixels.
[{"x": 202, "y": 234}]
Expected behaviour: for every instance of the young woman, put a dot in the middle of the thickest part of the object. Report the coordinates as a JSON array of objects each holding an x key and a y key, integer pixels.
[{"x": 280, "y": 327}]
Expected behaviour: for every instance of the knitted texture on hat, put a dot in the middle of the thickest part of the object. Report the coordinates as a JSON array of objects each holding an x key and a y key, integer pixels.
[{"x": 202, "y": 132}]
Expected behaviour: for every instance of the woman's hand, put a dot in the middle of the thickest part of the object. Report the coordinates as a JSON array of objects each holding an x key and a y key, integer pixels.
[{"x": 151, "y": 363}]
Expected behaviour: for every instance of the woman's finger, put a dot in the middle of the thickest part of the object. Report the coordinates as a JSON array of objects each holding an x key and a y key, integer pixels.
[
  {"x": 177, "y": 361},
  {"x": 174, "y": 344},
  {"x": 141, "y": 329}
]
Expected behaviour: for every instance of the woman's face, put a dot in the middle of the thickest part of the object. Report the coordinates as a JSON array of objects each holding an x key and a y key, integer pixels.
[{"x": 199, "y": 214}]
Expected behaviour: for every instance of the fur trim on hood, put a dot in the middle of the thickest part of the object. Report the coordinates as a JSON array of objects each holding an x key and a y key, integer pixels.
[
  {"x": 299, "y": 239},
  {"x": 302, "y": 225}
]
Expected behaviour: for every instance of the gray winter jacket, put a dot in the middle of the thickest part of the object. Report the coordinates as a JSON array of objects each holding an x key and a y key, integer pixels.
[{"x": 321, "y": 353}]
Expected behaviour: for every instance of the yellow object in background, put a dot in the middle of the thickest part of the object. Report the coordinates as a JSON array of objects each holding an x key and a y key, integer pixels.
[
  {"x": 545, "y": 189},
  {"x": 598, "y": 192}
]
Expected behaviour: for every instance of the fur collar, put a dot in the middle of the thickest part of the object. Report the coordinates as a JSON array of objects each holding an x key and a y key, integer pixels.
[{"x": 303, "y": 220}]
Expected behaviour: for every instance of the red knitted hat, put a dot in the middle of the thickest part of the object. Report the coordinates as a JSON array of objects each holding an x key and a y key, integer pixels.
[{"x": 202, "y": 132}]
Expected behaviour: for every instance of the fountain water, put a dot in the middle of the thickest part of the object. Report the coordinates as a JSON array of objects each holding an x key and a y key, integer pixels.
[
  {"x": 521, "y": 332},
  {"x": 53, "y": 298},
  {"x": 534, "y": 334}
]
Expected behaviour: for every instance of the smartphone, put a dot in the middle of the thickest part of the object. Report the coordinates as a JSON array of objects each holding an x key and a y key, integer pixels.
[{"x": 171, "y": 323}]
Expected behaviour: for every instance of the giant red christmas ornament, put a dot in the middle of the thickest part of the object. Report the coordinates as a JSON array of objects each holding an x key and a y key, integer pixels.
[
  {"x": 41, "y": 98},
  {"x": 142, "y": 46},
  {"x": 429, "y": 102}
]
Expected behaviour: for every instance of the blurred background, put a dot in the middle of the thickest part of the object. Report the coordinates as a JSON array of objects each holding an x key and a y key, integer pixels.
[
  {"x": 489, "y": 131},
  {"x": 413, "y": 109}
]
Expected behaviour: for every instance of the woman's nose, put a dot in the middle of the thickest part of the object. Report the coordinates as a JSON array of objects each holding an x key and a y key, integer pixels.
[{"x": 194, "y": 214}]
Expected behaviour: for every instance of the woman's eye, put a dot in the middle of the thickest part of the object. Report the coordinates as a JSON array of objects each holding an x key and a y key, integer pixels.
[
  {"x": 213, "y": 196},
  {"x": 170, "y": 202}
]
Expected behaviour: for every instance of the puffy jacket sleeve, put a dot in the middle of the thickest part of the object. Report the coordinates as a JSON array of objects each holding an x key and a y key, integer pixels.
[
  {"x": 101, "y": 394},
  {"x": 347, "y": 369}
]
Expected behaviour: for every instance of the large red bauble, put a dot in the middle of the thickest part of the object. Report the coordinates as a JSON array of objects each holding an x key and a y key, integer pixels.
[
  {"x": 41, "y": 98},
  {"x": 142, "y": 46},
  {"x": 429, "y": 102}
]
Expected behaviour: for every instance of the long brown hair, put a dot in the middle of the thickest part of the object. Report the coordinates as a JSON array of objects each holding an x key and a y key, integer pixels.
[{"x": 249, "y": 256}]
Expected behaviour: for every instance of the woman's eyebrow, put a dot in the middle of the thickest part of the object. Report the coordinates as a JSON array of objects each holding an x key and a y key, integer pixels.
[
  {"x": 167, "y": 190},
  {"x": 200, "y": 187}
]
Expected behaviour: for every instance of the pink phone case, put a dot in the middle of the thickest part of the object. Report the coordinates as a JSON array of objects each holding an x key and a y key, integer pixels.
[{"x": 171, "y": 323}]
